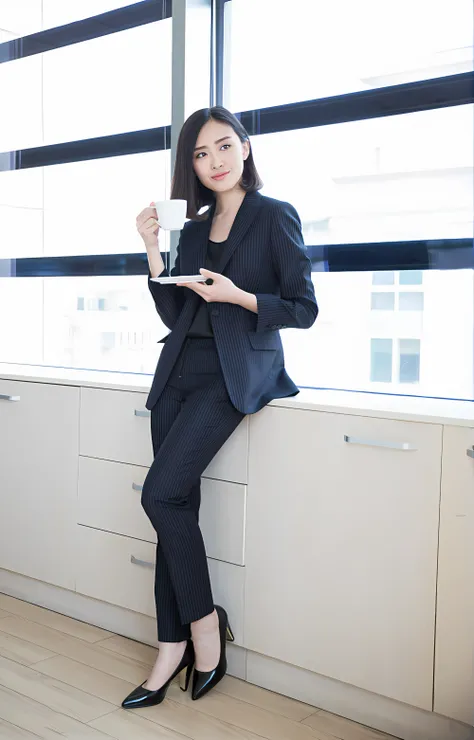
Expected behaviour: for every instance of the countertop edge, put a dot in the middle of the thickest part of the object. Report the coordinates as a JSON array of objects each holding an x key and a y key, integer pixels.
[{"x": 376, "y": 405}]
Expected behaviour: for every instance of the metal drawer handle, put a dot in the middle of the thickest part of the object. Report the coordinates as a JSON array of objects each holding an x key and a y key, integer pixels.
[
  {"x": 404, "y": 446},
  {"x": 144, "y": 563},
  {"x": 139, "y": 412},
  {"x": 136, "y": 487},
  {"x": 5, "y": 397},
  {"x": 470, "y": 451}
]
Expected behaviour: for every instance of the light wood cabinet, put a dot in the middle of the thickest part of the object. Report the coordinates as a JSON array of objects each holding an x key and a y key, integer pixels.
[
  {"x": 339, "y": 544},
  {"x": 341, "y": 548},
  {"x": 38, "y": 479},
  {"x": 454, "y": 666}
]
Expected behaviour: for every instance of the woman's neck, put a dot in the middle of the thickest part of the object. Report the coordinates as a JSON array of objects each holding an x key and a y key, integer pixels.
[{"x": 229, "y": 203}]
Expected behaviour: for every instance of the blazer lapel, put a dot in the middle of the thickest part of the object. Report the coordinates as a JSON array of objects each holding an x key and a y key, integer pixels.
[{"x": 242, "y": 222}]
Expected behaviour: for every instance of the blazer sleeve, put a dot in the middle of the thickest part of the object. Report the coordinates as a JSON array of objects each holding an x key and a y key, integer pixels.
[
  {"x": 295, "y": 307},
  {"x": 169, "y": 299}
]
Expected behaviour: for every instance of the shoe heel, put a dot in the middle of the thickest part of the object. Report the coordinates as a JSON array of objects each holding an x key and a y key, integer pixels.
[{"x": 185, "y": 677}]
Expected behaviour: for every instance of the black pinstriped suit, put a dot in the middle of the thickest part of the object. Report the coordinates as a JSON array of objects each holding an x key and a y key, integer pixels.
[{"x": 203, "y": 388}]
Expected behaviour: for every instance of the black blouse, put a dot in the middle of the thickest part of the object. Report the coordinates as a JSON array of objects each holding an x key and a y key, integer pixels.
[{"x": 201, "y": 326}]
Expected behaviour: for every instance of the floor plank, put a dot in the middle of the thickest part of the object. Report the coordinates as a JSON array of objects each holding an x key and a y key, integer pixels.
[
  {"x": 127, "y": 725},
  {"x": 43, "y": 721},
  {"x": 60, "y": 678},
  {"x": 85, "y": 678},
  {"x": 247, "y": 717},
  {"x": 22, "y": 651},
  {"x": 264, "y": 699},
  {"x": 11, "y": 732},
  {"x": 56, "y": 621},
  {"x": 188, "y": 721},
  {"x": 130, "y": 648},
  {"x": 52, "y": 693},
  {"x": 71, "y": 647},
  {"x": 343, "y": 728}
]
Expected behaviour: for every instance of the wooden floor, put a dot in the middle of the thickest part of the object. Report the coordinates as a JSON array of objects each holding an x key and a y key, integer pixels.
[{"x": 60, "y": 678}]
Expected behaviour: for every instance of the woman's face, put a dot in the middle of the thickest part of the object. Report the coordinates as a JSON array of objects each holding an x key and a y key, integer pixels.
[{"x": 219, "y": 156}]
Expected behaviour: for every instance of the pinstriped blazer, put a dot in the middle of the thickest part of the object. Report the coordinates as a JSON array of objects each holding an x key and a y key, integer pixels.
[{"x": 264, "y": 255}]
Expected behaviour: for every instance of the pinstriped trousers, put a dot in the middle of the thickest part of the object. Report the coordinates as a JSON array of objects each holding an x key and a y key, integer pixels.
[{"x": 189, "y": 424}]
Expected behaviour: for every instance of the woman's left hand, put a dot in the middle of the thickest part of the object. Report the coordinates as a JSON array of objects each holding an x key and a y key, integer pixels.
[{"x": 222, "y": 289}]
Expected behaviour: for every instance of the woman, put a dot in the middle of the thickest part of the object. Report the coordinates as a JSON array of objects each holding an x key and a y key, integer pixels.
[{"x": 223, "y": 359}]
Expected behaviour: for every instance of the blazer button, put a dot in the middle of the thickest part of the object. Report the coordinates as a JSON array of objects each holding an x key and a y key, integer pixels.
[{"x": 215, "y": 312}]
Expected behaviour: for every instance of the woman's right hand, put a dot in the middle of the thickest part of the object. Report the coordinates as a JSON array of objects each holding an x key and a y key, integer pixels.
[{"x": 148, "y": 226}]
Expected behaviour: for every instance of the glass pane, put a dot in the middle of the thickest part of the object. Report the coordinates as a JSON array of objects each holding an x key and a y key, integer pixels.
[
  {"x": 409, "y": 360},
  {"x": 381, "y": 360},
  {"x": 118, "y": 328},
  {"x": 336, "y": 351},
  {"x": 411, "y": 301},
  {"x": 109, "y": 85},
  {"x": 387, "y": 179},
  {"x": 30, "y": 16},
  {"x": 21, "y": 327},
  {"x": 85, "y": 207},
  {"x": 384, "y": 277},
  {"x": 383, "y": 301},
  {"x": 104, "y": 323},
  {"x": 411, "y": 277},
  {"x": 314, "y": 45}
]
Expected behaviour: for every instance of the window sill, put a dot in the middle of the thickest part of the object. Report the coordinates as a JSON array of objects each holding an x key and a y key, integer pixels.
[{"x": 377, "y": 405}]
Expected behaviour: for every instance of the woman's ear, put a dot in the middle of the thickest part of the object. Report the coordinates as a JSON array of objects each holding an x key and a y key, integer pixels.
[{"x": 245, "y": 149}]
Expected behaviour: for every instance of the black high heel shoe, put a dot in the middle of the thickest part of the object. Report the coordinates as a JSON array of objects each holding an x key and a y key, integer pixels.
[
  {"x": 204, "y": 681},
  {"x": 141, "y": 697}
]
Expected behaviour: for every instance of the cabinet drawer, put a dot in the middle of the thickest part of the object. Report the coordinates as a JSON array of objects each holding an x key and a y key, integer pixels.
[
  {"x": 230, "y": 463},
  {"x": 109, "y": 498},
  {"x": 110, "y": 429},
  {"x": 228, "y": 583},
  {"x": 105, "y": 571},
  {"x": 222, "y": 519}
]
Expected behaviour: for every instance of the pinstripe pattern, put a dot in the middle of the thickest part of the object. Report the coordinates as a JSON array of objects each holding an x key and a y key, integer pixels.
[
  {"x": 264, "y": 255},
  {"x": 190, "y": 423},
  {"x": 203, "y": 388}
]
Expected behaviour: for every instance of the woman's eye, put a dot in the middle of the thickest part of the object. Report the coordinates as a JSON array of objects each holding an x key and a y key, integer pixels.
[{"x": 200, "y": 155}]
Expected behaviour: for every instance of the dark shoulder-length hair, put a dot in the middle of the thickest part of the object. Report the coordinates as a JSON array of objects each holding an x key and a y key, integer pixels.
[{"x": 186, "y": 184}]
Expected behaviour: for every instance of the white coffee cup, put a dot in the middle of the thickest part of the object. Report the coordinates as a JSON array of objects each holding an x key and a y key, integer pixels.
[{"x": 171, "y": 214}]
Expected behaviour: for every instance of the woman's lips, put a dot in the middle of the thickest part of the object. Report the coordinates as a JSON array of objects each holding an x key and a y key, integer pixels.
[{"x": 220, "y": 176}]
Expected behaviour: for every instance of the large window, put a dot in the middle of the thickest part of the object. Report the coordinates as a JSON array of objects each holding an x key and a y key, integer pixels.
[
  {"x": 79, "y": 208},
  {"x": 360, "y": 115},
  {"x": 88, "y": 89},
  {"x": 401, "y": 177},
  {"x": 118, "y": 82},
  {"x": 287, "y": 52},
  {"x": 372, "y": 178}
]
